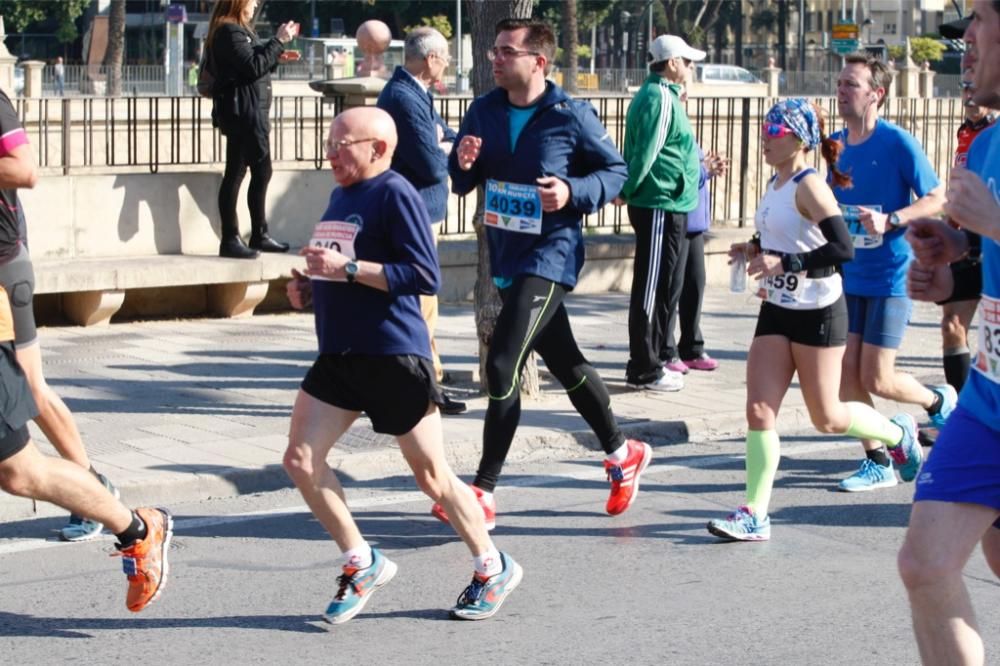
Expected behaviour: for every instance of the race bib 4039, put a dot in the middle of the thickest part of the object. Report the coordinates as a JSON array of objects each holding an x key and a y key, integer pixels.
[
  {"x": 513, "y": 207},
  {"x": 859, "y": 235},
  {"x": 988, "y": 354}
]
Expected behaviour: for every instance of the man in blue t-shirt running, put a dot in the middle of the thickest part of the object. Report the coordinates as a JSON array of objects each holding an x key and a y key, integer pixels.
[
  {"x": 957, "y": 500},
  {"x": 370, "y": 258},
  {"x": 888, "y": 169}
]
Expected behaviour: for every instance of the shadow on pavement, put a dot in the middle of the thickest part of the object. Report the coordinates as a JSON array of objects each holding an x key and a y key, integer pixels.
[{"x": 14, "y": 625}]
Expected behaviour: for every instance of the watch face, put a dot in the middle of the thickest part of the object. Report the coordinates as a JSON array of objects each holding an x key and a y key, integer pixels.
[{"x": 351, "y": 268}]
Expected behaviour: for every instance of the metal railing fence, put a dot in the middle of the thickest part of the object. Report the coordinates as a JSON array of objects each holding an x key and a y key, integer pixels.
[{"x": 103, "y": 135}]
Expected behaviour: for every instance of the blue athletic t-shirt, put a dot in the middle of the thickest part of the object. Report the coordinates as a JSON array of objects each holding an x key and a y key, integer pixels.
[
  {"x": 518, "y": 116},
  {"x": 886, "y": 170},
  {"x": 386, "y": 221},
  {"x": 981, "y": 393}
]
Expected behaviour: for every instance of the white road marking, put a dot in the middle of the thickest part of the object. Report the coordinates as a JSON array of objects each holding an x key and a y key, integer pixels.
[{"x": 408, "y": 497}]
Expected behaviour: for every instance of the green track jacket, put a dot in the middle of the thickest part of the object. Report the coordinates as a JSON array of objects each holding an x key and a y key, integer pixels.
[{"x": 660, "y": 150}]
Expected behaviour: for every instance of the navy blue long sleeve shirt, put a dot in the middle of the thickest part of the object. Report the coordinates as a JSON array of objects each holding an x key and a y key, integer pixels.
[
  {"x": 418, "y": 157},
  {"x": 393, "y": 229}
]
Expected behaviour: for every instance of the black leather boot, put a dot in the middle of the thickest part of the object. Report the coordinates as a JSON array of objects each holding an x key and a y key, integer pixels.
[
  {"x": 265, "y": 243},
  {"x": 233, "y": 248}
]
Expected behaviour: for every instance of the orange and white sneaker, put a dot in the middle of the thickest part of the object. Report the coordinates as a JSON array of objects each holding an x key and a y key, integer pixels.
[
  {"x": 624, "y": 478},
  {"x": 145, "y": 562},
  {"x": 489, "y": 509}
]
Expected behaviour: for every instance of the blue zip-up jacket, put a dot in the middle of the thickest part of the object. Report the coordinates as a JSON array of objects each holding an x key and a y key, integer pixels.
[
  {"x": 418, "y": 156},
  {"x": 563, "y": 138}
]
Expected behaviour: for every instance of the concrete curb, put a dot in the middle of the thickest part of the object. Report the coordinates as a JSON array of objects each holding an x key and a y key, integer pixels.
[{"x": 531, "y": 443}]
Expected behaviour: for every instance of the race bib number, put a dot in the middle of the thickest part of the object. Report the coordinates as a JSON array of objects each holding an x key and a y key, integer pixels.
[
  {"x": 786, "y": 289},
  {"x": 859, "y": 235},
  {"x": 335, "y": 235},
  {"x": 513, "y": 207},
  {"x": 988, "y": 354}
]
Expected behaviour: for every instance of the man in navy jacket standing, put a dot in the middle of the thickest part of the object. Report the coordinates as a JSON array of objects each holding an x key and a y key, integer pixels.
[
  {"x": 422, "y": 158},
  {"x": 545, "y": 161}
]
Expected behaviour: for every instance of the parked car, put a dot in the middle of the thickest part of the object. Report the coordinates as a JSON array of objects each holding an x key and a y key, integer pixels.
[{"x": 724, "y": 75}]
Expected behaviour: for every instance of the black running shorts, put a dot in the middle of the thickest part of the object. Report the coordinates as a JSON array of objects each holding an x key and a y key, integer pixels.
[
  {"x": 17, "y": 407},
  {"x": 394, "y": 391},
  {"x": 825, "y": 327}
]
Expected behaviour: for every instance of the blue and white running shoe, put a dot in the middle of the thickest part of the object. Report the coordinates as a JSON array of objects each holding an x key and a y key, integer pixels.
[
  {"x": 742, "y": 525},
  {"x": 870, "y": 476},
  {"x": 484, "y": 596},
  {"x": 356, "y": 587},
  {"x": 949, "y": 398},
  {"x": 82, "y": 529},
  {"x": 907, "y": 454}
]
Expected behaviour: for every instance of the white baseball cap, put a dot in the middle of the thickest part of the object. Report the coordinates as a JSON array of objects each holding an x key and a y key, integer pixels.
[{"x": 666, "y": 47}]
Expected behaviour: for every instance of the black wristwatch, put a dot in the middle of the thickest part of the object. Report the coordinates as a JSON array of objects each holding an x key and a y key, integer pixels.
[
  {"x": 894, "y": 221},
  {"x": 351, "y": 270},
  {"x": 791, "y": 263}
]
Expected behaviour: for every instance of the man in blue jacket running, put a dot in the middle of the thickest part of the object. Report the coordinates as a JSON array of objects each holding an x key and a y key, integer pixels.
[{"x": 544, "y": 161}]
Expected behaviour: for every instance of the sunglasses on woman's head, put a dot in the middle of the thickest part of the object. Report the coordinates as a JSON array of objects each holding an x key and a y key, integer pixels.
[{"x": 775, "y": 130}]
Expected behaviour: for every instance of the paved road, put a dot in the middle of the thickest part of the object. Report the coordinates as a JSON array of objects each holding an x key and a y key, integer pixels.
[
  {"x": 184, "y": 410},
  {"x": 648, "y": 587}
]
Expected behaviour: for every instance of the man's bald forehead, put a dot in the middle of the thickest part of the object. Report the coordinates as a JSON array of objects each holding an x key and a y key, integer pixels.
[{"x": 369, "y": 121}]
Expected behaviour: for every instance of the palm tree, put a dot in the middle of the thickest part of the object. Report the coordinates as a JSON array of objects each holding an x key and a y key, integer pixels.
[
  {"x": 115, "y": 54},
  {"x": 571, "y": 38}
]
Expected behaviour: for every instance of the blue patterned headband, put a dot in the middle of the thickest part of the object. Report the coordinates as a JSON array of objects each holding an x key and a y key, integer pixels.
[{"x": 797, "y": 115}]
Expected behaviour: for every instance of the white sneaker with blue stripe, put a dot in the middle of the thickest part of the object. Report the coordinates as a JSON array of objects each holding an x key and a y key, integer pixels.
[{"x": 870, "y": 476}]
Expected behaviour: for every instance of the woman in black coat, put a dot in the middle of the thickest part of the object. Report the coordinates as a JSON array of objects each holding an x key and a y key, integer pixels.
[{"x": 242, "y": 64}]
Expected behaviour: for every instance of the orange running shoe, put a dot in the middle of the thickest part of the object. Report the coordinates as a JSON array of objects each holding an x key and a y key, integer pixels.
[
  {"x": 145, "y": 562},
  {"x": 624, "y": 478},
  {"x": 489, "y": 509}
]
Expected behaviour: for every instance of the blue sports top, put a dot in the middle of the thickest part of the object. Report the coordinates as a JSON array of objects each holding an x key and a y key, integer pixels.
[
  {"x": 389, "y": 225},
  {"x": 886, "y": 170},
  {"x": 981, "y": 393}
]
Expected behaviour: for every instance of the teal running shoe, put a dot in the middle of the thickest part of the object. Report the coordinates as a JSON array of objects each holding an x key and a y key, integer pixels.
[
  {"x": 870, "y": 476},
  {"x": 741, "y": 525},
  {"x": 484, "y": 596},
  {"x": 949, "y": 398},
  {"x": 907, "y": 454},
  {"x": 82, "y": 529},
  {"x": 356, "y": 587}
]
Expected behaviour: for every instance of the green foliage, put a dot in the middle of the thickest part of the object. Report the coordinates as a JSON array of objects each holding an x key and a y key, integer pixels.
[
  {"x": 19, "y": 14},
  {"x": 582, "y": 51},
  {"x": 921, "y": 49},
  {"x": 439, "y": 22}
]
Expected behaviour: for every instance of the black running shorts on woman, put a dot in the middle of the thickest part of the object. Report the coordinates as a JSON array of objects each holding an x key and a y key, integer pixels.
[{"x": 825, "y": 327}]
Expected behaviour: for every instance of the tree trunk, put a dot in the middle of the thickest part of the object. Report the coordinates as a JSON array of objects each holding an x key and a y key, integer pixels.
[
  {"x": 571, "y": 38},
  {"x": 483, "y": 17},
  {"x": 116, "y": 48}
]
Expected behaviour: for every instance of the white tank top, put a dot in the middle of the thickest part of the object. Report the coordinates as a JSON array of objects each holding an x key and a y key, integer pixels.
[{"x": 783, "y": 229}]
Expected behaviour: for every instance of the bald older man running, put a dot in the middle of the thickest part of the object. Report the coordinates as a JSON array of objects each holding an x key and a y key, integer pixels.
[{"x": 370, "y": 259}]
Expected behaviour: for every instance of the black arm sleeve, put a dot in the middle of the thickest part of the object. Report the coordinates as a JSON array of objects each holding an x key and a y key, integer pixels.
[{"x": 837, "y": 250}]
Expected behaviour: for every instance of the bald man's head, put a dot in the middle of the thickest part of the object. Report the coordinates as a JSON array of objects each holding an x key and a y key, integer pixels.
[{"x": 360, "y": 144}]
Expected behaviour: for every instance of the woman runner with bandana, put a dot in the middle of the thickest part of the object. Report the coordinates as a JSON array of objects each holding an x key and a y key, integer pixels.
[{"x": 802, "y": 325}]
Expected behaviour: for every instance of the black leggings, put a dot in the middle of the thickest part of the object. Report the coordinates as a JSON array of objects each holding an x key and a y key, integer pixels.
[
  {"x": 533, "y": 317},
  {"x": 242, "y": 153}
]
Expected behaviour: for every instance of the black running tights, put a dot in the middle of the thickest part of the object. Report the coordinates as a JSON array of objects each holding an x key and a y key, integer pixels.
[{"x": 533, "y": 317}]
